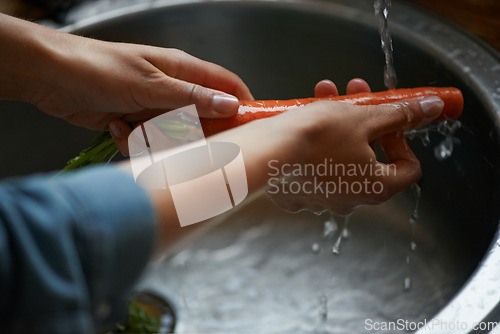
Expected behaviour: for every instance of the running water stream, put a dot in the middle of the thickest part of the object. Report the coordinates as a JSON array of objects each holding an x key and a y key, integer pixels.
[
  {"x": 447, "y": 128},
  {"x": 390, "y": 80},
  {"x": 382, "y": 8},
  {"x": 407, "y": 283}
]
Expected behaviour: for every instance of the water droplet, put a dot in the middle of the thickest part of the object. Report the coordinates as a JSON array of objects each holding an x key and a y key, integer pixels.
[
  {"x": 444, "y": 149},
  {"x": 446, "y": 128},
  {"x": 413, "y": 245},
  {"x": 329, "y": 228},
  {"x": 407, "y": 283},
  {"x": 346, "y": 233},
  {"x": 416, "y": 189},
  {"x": 426, "y": 140},
  {"x": 336, "y": 247},
  {"x": 315, "y": 248}
]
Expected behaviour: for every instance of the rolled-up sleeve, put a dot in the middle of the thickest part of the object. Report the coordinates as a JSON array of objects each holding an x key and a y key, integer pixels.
[{"x": 71, "y": 248}]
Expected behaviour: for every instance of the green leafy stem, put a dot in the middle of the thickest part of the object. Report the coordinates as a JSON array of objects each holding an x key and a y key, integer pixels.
[{"x": 103, "y": 148}]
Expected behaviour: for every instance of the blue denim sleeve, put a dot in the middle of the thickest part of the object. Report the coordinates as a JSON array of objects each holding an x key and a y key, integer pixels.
[{"x": 71, "y": 248}]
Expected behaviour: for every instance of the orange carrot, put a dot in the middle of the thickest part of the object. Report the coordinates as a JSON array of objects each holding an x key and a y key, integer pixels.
[{"x": 258, "y": 109}]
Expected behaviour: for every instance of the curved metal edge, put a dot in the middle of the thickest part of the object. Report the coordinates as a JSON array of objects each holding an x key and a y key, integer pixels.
[
  {"x": 120, "y": 10},
  {"x": 477, "y": 303},
  {"x": 475, "y": 62},
  {"x": 466, "y": 55}
]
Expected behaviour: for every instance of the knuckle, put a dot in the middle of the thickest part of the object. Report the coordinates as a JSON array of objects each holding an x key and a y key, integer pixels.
[
  {"x": 322, "y": 116},
  {"x": 200, "y": 96},
  {"x": 179, "y": 53},
  {"x": 405, "y": 110}
]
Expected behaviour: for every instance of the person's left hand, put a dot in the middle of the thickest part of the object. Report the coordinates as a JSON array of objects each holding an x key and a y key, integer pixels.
[{"x": 91, "y": 83}]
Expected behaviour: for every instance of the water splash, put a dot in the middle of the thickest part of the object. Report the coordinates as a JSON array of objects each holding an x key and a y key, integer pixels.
[
  {"x": 330, "y": 227},
  {"x": 382, "y": 8},
  {"x": 444, "y": 149},
  {"x": 330, "y": 230}
]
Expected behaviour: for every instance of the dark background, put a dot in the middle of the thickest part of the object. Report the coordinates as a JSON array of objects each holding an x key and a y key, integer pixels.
[{"x": 480, "y": 17}]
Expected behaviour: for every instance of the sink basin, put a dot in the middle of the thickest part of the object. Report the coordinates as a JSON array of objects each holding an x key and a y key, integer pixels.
[{"x": 261, "y": 270}]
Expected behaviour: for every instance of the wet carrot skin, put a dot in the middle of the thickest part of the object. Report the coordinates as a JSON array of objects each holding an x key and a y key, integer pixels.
[{"x": 257, "y": 109}]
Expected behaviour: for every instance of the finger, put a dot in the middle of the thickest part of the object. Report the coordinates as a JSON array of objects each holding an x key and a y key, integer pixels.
[
  {"x": 185, "y": 67},
  {"x": 396, "y": 148},
  {"x": 325, "y": 88},
  {"x": 167, "y": 93},
  {"x": 403, "y": 167},
  {"x": 120, "y": 131},
  {"x": 357, "y": 86},
  {"x": 382, "y": 119}
]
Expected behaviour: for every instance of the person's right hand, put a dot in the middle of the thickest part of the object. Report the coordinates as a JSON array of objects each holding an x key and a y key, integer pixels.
[
  {"x": 278, "y": 150},
  {"x": 339, "y": 132}
]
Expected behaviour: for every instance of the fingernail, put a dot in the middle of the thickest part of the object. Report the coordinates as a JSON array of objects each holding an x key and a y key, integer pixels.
[
  {"x": 431, "y": 106},
  {"x": 115, "y": 130},
  {"x": 224, "y": 104}
]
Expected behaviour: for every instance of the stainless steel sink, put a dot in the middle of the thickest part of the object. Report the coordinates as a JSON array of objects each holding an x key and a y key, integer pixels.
[{"x": 261, "y": 270}]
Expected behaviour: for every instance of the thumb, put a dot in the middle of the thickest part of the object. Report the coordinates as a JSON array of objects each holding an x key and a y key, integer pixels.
[{"x": 210, "y": 103}]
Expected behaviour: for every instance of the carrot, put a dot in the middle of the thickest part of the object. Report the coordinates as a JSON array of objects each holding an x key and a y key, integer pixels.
[{"x": 258, "y": 109}]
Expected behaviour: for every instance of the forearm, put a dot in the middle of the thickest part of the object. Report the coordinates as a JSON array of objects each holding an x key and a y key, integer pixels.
[
  {"x": 21, "y": 55},
  {"x": 30, "y": 59},
  {"x": 257, "y": 148}
]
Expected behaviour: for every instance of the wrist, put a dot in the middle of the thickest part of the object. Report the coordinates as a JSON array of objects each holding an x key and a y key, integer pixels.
[{"x": 262, "y": 146}]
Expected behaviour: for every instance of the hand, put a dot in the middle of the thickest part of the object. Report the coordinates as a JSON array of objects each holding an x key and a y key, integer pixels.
[
  {"x": 194, "y": 82},
  {"x": 337, "y": 136},
  {"x": 136, "y": 82},
  {"x": 303, "y": 138},
  {"x": 90, "y": 83},
  {"x": 326, "y": 88}
]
